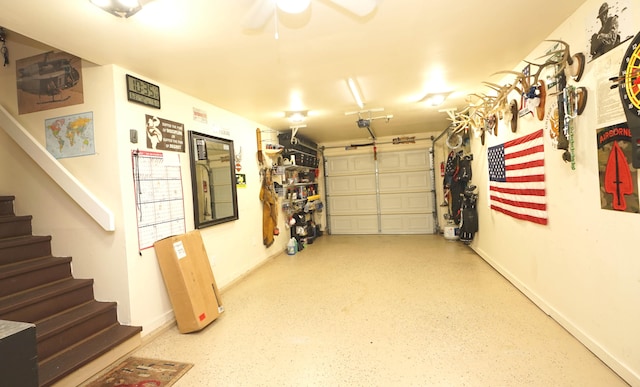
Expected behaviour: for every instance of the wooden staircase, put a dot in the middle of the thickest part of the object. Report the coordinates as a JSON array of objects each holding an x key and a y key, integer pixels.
[{"x": 72, "y": 328}]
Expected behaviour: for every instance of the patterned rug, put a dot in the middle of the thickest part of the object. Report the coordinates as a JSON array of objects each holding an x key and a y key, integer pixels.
[{"x": 140, "y": 372}]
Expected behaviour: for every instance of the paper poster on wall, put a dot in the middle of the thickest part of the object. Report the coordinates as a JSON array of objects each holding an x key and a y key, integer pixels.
[
  {"x": 618, "y": 178},
  {"x": 70, "y": 136},
  {"x": 607, "y": 26},
  {"x": 609, "y": 110},
  {"x": 164, "y": 134},
  {"x": 200, "y": 115},
  {"x": 159, "y": 200},
  {"x": 48, "y": 81},
  {"x": 241, "y": 180}
]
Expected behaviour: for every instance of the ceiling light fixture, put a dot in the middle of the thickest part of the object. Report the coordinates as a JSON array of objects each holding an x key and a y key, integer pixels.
[
  {"x": 435, "y": 99},
  {"x": 119, "y": 8},
  {"x": 355, "y": 92},
  {"x": 296, "y": 117},
  {"x": 293, "y": 6}
]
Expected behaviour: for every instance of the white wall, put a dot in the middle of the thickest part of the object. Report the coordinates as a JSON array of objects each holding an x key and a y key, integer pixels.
[
  {"x": 582, "y": 268},
  {"x": 96, "y": 253},
  {"x": 234, "y": 248},
  {"x": 122, "y": 273}
]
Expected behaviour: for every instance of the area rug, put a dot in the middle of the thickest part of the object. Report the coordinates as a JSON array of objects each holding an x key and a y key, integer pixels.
[{"x": 141, "y": 372}]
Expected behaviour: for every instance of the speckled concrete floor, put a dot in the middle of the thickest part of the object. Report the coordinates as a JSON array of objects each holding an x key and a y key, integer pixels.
[{"x": 380, "y": 311}]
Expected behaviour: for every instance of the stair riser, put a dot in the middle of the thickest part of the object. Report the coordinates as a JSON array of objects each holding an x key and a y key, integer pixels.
[
  {"x": 57, "y": 367},
  {"x": 55, "y": 304},
  {"x": 34, "y": 278},
  {"x": 19, "y": 253},
  {"x": 73, "y": 329},
  {"x": 17, "y": 227},
  {"x": 73, "y": 334},
  {"x": 6, "y": 205}
]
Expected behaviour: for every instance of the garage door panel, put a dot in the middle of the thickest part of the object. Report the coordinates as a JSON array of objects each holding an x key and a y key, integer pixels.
[
  {"x": 393, "y": 195},
  {"x": 390, "y": 161},
  {"x": 364, "y": 163},
  {"x": 407, "y": 224},
  {"x": 417, "y": 160},
  {"x": 352, "y": 205},
  {"x": 397, "y": 161},
  {"x": 349, "y": 185},
  {"x": 406, "y": 203},
  {"x": 337, "y": 165},
  {"x": 404, "y": 181},
  {"x": 350, "y": 165},
  {"x": 357, "y": 224}
]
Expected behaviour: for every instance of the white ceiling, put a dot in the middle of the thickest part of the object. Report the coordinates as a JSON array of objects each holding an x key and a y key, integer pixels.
[{"x": 201, "y": 48}]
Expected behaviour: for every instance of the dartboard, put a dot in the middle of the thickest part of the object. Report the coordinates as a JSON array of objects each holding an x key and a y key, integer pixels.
[{"x": 630, "y": 94}]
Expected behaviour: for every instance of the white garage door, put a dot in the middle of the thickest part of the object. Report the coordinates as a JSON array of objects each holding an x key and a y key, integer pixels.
[{"x": 391, "y": 195}]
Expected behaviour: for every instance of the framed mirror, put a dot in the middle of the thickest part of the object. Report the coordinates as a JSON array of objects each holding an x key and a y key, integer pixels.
[{"x": 213, "y": 180}]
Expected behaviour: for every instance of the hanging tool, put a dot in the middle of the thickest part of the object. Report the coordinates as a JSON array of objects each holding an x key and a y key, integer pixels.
[
  {"x": 3, "y": 49},
  {"x": 259, "y": 143}
]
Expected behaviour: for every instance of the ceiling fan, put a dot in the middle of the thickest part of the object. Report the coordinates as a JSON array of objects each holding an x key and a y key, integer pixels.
[{"x": 262, "y": 10}]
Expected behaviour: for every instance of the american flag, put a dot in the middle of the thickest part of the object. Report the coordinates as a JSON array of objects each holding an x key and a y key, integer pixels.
[{"x": 516, "y": 178}]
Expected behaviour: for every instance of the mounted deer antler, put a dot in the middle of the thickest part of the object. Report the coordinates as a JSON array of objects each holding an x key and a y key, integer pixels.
[
  {"x": 573, "y": 64},
  {"x": 459, "y": 121},
  {"x": 501, "y": 101},
  {"x": 532, "y": 89},
  {"x": 521, "y": 79}
]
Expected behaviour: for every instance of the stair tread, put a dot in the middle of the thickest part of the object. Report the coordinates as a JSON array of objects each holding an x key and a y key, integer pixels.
[
  {"x": 7, "y": 218},
  {"x": 70, "y": 317},
  {"x": 23, "y": 240},
  {"x": 27, "y": 297},
  {"x": 37, "y": 286},
  {"x": 15, "y": 268},
  {"x": 65, "y": 362}
]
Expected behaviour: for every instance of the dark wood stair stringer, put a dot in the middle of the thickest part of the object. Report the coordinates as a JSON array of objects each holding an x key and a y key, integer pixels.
[{"x": 72, "y": 328}]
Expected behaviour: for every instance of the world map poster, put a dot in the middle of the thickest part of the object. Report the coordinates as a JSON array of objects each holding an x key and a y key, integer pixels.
[{"x": 70, "y": 136}]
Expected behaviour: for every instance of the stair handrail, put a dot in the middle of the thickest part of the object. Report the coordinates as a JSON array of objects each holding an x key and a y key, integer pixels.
[{"x": 69, "y": 183}]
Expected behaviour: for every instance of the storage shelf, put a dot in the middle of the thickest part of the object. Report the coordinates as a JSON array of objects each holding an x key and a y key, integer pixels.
[{"x": 299, "y": 167}]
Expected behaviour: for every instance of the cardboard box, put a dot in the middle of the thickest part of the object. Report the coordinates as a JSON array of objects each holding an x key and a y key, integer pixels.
[{"x": 187, "y": 274}]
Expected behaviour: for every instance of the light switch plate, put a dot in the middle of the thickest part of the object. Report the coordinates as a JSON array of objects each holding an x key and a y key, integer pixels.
[{"x": 133, "y": 136}]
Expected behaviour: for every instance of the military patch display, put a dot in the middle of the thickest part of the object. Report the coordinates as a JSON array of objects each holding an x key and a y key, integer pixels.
[{"x": 618, "y": 178}]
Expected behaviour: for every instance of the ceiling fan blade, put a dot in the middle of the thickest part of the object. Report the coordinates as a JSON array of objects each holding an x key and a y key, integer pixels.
[
  {"x": 357, "y": 7},
  {"x": 259, "y": 13}
]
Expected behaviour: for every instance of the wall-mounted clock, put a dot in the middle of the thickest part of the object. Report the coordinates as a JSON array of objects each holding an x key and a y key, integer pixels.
[
  {"x": 143, "y": 92},
  {"x": 630, "y": 95}
]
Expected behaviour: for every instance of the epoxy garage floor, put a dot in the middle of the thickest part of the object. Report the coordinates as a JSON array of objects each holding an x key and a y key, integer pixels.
[{"x": 380, "y": 311}]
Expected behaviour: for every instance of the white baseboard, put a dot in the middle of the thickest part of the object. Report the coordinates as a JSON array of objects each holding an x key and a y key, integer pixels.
[
  {"x": 593, "y": 345},
  {"x": 160, "y": 323}
]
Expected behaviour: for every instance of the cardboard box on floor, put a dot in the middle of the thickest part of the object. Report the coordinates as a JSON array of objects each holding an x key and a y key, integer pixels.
[{"x": 189, "y": 280}]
